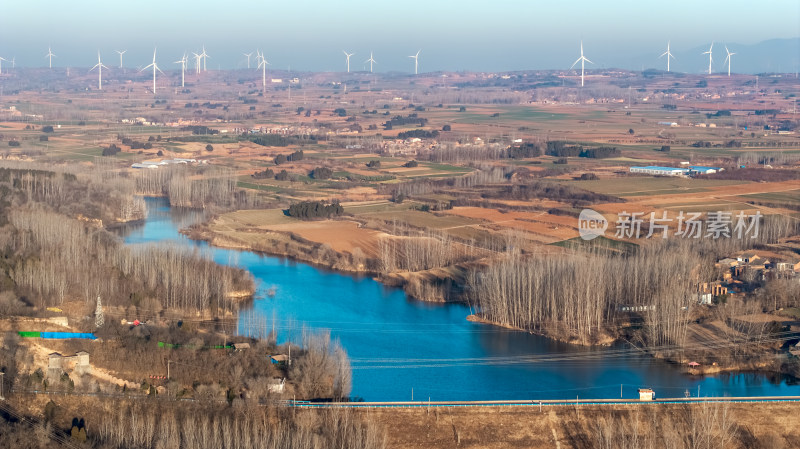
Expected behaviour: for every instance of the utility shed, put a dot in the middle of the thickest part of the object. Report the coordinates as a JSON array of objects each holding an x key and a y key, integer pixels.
[
  {"x": 646, "y": 394},
  {"x": 279, "y": 359}
]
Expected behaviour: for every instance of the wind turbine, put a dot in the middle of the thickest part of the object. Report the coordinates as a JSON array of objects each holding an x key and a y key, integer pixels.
[
  {"x": 155, "y": 67},
  {"x": 99, "y": 66},
  {"x": 248, "y": 58},
  {"x": 710, "y": 59},
  {"x": 347, "y": 55},
  {"x": 728, "y": 60},
  {"x": 371, "y": 61},
  {"x": 1, "y": 64},
  {"x": 50, "y": 56},
  {"x": 262, "y": 64},
  {"x": 182, "y": 62},
  {"x": 582, "y": 60},
  {"x": 197, "y": 65},
  {"x": 668, "y": 55},
  {"x": 120, "y": 56},
  {"x": 13, "y": 62},
  {"x": 416, "y": 62},
  {"x": 205, "y": 57}
]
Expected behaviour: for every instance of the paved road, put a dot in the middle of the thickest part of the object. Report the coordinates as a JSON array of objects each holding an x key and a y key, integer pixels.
[
  {"x": 542, "y": 403},
  {"x": 417, "y": 404}
]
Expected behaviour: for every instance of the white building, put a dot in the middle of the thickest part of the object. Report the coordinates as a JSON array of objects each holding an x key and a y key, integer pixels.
[
  {"x": 699, "y": 170},
  {"x": 146, "y": 165},
  {"x": 646, "y": 394},
  {"x": 660, "y": 171}
]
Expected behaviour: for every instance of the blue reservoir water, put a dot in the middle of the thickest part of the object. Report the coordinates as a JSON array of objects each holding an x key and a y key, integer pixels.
[{"x": 399, "y": 346}]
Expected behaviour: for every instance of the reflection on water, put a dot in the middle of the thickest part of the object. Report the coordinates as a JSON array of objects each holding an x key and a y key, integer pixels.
[{"x": 397, "y": 344}]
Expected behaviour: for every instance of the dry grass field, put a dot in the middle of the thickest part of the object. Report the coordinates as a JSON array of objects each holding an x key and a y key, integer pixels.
[{"x": 666, "y": 426}]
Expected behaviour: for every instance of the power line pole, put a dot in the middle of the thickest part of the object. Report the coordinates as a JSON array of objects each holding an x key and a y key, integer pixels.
[{"x": 168, "y": 362}]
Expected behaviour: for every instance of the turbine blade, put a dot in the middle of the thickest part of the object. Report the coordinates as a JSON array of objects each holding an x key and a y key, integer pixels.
[
  {"x": 587, "y": 60},
  {"x": 573, "y": 64}
]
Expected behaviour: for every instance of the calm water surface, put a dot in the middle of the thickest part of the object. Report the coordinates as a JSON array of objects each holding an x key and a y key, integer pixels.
[{"x": 398, "y": 345}]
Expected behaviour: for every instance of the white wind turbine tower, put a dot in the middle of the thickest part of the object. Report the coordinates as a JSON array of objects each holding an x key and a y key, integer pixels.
[
  {"x": 728, "y": 60},
  {"x": 50, "y": 56},
  {"x": 262, "y": 64},
  {"x": 99, "y": 66},
  {"x": 155, "y": 67},
  {"x": 120, "y": 56},
  {"x": 205, "y": 57},
  {"x": 710, "y": 59},
  {"x": 582, "y": 60},
  {"x": 371, "y": 61},
  {"x": 668, "y": 55},
  {"x": 1, "y": 64},
  {"x": 416, "y": 62},
  {"x": 347, "y": 55},
  {"x": 197, "y": 65},
  {"x": 182, "y": 62},
  {"x": 248, "y": 58}
]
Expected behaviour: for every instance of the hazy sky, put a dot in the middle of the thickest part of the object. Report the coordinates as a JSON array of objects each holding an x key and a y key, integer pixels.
[{"x": 493, "y": 35}]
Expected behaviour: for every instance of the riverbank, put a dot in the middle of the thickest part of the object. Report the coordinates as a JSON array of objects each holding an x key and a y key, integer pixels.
[
  {"x": 436, "y": 285},
  {"x": 717, "y": 362},
  {"x": 602, "y": 339}
]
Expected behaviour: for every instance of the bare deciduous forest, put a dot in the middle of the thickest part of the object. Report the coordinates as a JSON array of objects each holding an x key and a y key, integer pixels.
[
  {"x": 530, "y": 293},
  {"x": 56, "y": 248},
  {"x": 206, "y": 188},
  {"x": 159, "y": 424},
  {"x": 656, "y": 283}
]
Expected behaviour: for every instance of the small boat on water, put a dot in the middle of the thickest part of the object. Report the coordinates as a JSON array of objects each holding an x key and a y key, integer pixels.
[{"x": 271, "y": 292}]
